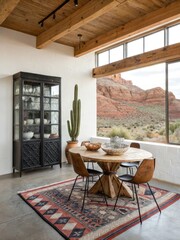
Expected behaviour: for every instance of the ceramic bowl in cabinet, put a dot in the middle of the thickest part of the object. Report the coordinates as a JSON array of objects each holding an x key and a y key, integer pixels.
[
  {"x": 46, "y": 135},
  {"x": 37, "y": 120},
  {"x": 37, "y": 135},
  {"x": 45, "y": 121},
  {"x": 27, "y": 135},
  {"x": 29, "y": 121}
]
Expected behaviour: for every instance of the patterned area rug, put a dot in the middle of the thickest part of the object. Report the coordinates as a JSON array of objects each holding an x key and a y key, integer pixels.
[{"x": 97, "y": 221}]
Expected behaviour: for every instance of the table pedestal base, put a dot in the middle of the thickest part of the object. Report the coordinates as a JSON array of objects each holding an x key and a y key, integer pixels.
[{"x": 111, "y": 182}]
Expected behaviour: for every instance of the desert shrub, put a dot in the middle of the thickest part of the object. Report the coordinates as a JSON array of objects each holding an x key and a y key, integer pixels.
[
  {"x": 174, "y": 126},
  {"x": 119, "y": 131},
  {"x": 149, "y": 134},
  {"x": 162, "y": 131}
]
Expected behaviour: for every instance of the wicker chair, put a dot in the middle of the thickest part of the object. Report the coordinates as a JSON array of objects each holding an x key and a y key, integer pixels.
[
  {"x": 143, "y": 174},
  {"x": 82, "y": 171},
  {"x": 130, "y": 165}
]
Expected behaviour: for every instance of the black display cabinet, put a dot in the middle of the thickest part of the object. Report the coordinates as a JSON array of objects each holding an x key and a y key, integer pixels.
[{"x": 36, "y": 121}]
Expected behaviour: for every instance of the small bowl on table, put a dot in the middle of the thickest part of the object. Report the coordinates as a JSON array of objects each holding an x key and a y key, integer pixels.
[
  {"x": 114, "y": 150},
  {"x": 92, "y": 146}
]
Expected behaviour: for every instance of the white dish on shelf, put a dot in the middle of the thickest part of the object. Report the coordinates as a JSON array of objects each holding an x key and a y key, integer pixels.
[
  {"x": 29, "y": 121},
  {"x": 37, "y": 135},
  {"x": 45, "y": 121},
  {"x": 37, "y": 120},
  {"x": 46, "y": 135},
  {"x": 27, "y": 135}
]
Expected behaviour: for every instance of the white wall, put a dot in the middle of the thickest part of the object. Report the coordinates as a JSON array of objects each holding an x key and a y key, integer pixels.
[
  {"x": 167, "y": 159},
  {"x": 18, "y": 53}
]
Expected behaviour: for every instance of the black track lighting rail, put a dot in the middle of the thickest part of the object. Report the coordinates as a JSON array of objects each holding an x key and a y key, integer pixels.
[{"x": 53, "y": 13}]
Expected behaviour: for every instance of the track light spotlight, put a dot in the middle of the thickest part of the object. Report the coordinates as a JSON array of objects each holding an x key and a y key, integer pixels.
[{"x": 76, "y": 3}]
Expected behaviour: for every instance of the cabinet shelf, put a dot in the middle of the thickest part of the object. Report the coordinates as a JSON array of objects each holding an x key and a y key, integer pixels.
[{"x": 36, "y": 117}]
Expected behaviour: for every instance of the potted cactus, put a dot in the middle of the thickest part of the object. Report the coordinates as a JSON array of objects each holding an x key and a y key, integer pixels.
[{"x": 73, "y": 124}]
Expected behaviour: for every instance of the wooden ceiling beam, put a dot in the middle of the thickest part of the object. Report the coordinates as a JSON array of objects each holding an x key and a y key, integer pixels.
[
  {"x": 85, "y": 14},
  {"x": 6, "y": 7},
  {"x": 132, "y": 29},
  {"x": 164, "y": 54}
]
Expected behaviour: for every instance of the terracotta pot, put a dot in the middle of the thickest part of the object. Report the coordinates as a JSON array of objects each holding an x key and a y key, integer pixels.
[{"x": 70, "y": 144}]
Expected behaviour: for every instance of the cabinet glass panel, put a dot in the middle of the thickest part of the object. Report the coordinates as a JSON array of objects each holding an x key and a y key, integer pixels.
[
  {"x": 54, "y": 131},
  {"x": 16, "y": 87},
  {"x": 16, "y": 102},
  {"x": 16, "y": 117},
  {"x": 31, "y": 103},
  {"x": 51, "y": 90},
  {"x": 51, "y": 131},
  {"x": 51, "y": 117},
  {"x": 51, "y": 103},
  {"x": 16, "y": 133},
  {"x": 32, "y": 89}
]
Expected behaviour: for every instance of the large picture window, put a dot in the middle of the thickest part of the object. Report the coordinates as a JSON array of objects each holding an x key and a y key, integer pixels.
[
  {"x": 143, "y": 103},
  {"x": 135, "y": 101},
  {"x": 173, "y": 78}
]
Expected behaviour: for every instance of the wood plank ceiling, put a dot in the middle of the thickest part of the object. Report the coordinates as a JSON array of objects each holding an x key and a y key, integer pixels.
[{"x": 100, "y": 22}]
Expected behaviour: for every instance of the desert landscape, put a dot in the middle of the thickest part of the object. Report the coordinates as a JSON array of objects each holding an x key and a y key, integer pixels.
[{"x": 139, "y": 113}]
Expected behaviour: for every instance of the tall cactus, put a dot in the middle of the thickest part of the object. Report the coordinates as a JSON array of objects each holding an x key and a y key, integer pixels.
[{"x": 75, "y": 116}]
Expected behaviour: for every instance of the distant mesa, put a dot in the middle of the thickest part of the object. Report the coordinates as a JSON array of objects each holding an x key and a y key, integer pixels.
[{"x": 117, "y": 97}]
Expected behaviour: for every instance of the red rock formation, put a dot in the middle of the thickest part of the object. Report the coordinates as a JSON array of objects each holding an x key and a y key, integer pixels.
[{"x": 117, "y": 97}]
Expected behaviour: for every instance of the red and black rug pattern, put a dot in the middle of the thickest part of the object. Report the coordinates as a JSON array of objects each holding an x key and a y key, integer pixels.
[{"x": 96, "y": 221}]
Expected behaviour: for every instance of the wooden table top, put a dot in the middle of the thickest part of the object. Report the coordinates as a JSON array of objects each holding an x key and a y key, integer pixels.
[{"x": 132, "y": 154}]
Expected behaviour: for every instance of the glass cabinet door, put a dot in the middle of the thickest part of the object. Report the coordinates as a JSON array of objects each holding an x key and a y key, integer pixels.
[
  {"x": 51, "y": 110},
  {"x": 16, "y": 108},
  {"x": 31, "y": 110}
]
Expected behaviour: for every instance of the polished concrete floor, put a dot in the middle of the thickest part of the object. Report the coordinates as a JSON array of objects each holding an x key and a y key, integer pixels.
[{"x": 19, "y": 222}]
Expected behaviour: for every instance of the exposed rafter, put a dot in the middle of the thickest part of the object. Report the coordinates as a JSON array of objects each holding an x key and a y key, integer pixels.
[
  {"x": 131, "y": 29},
  {"x": 168, "y": 53},
  {"x": 6, "y": 7},
  {"x": 85, "y": 14}
]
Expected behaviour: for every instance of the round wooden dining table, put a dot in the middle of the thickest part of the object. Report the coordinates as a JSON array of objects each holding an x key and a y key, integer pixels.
[{"x": 109, "y": 165}]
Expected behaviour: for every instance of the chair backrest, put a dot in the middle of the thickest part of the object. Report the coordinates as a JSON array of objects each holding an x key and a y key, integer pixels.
[
  {"x": 78, "y": 165},
  {"x": 145, "y": 171},
  {"x": 135, "y": 145}
]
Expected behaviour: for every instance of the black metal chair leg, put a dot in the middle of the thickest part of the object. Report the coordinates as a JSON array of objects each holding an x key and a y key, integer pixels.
[
  {"x": 154, "y": 197},
  {"x": 85, "y": 192},
  {"x": 118, "y": 195},
  {"x": 137, "y": 199},
  {"x": 73, "y": 187},
  {"x": 133, "y": 198},
  {"x": 103, "y": 191}
]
